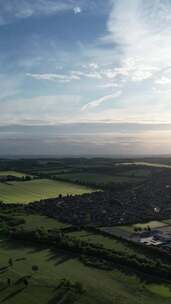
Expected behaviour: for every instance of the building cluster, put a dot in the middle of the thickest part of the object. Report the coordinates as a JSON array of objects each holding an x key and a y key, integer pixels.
[{"x": 157, "y": 238}]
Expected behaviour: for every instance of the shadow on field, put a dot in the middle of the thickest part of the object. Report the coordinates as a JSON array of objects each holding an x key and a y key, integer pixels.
[
  {"x": 3, "y": 269},
  {"x": 59, "y": 261},
  {"x": 13, "y": 294},
  {"x": 58, "y": 299},
  {"x": 28, "y": 247},
  {"x": 12, "y": 245},
  {"x": 59, "y": 257},
  {"x": 3, "y": 288},
  {"x": 36, "y": 249}
]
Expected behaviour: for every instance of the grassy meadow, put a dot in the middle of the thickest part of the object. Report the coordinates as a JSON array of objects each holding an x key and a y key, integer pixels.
[
  {"x": 101, "y": 287},
  {"x": 151, "y": 225},
  {"x": 36, "y": 221},
  {"x": 29, "y": 191},
  {"x": 12, "y": 173},
  {"x": 99, "y": 178},
  {"x": 127, "y": 230}
]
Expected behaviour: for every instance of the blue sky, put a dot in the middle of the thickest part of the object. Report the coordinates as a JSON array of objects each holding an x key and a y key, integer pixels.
[{"x": 68, "y": 66}]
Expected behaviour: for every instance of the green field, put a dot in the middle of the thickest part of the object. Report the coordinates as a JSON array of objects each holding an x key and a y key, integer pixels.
[
  {"x": 101, "y": 287},
  {"x": 36, "y": 221},
  {"x": 161, "y": 290},
  {"x": 101, "y": 240},
  {"x": 168, "y": 221},
  {"x": 12, "y": 173},
  {"x": 127, "y": 230},
  {"x": 151, "y": 224},
  {"x": 105, "y": 242},
  {"x": 97, "y": 178},
  {"x": 29, "y": 191}
]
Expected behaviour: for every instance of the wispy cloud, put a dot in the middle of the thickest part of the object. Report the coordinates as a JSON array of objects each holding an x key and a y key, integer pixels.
[
  {"x": 54, "y": 77},
  {"x": 87, "y": 74},
  {"x": 110, "y": 85},
  {"x": 21, "y": 9},
  {"x": 123, "y": 76},
  {"x": 163, "y": 80},
  {"x": 62, "y": 78},
  {"x": 142, "y": 31},
  {"x": 98, "y": 102}
]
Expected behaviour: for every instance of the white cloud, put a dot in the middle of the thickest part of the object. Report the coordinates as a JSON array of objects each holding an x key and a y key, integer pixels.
[
  {"x": 20, "y": 9},
  {"x": 108, "y": 85},
  {"x": 77, "y": 10},
  {"x": 163, "y": 80},
  {"x": 98, "y": 102},
  {"x": 94, "y": 65},
  {"x": 142, "y": 31},
  {"x": 87, "y": 74},
  {"x": 141, "y": 75},
  {"x": 54, "y": 77}
]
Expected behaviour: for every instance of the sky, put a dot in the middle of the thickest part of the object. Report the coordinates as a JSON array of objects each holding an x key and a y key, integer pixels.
[{"x": 85, "y": 77}]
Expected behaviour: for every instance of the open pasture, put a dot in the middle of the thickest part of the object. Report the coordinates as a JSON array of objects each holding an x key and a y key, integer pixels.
[
  {"x": 101, "y": 287},
  {"x": 12, "y": 173},
  {"x": 151, "y": 225},
  {"x": 85, "y": 177},
  {"x": 29, "y": 191},
  {"x": 105, "y": 242},
  {"x": 36, "y": 221},
  {"x": 126, "y": 230}
]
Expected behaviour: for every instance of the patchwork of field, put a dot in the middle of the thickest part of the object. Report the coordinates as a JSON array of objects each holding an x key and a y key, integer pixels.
[
  {"x": 29, "y": 191},
  {"x": 101, "y": 287},
  {"x": 12, "y": 173}
]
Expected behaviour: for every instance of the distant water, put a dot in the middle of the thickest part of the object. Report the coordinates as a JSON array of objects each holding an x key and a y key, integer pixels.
[{"x": 144, "y": 164}]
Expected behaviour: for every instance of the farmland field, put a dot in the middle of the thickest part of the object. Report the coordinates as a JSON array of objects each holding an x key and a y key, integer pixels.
[
  {"x": 101, "y": 287},
  {"x": 12, "y": 173},
  {"x": 36, "y": 221},
  {"x": 28, "y": 191},
  {"x": 104, "y": 241},
  {"x": 94, "y": 249},
  {"x": 97, "y": 178},
  {"x": 127, "y": 230},
  {"x": 168, "y": 221},
  {"x": 151, "y": 224}
]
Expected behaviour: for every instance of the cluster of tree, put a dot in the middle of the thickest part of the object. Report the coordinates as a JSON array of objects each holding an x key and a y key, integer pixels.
[
  {"x": 11, "y": 221},
  {"x": 97, "y": 208},
  {"x": 12, "y": 178},
  {"x": 59, "y": 240},
  {"x": 139, "y": 228},
  {"x": 111, "y": 186}
]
